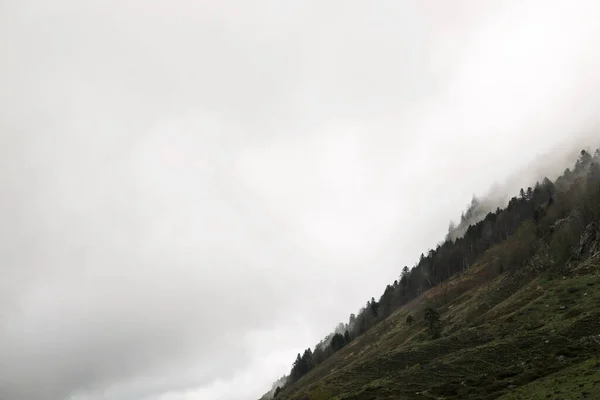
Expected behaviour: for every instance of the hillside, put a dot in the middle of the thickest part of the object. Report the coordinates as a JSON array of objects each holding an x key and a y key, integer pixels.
[{"x": 519, "y": 304}]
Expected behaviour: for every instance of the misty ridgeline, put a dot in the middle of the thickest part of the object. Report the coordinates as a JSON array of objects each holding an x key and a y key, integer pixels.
[{"x": 547, "y": 218}]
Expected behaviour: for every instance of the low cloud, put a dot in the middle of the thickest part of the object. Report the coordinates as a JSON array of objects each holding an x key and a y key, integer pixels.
[{"x": 191, "y": 193}]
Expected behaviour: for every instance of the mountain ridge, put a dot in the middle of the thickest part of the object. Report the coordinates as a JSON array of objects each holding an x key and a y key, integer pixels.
[{"x": 538, "y": 231}]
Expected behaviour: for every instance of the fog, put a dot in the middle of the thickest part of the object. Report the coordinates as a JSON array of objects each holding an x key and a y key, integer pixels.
[{"x": 193, "y": 192}]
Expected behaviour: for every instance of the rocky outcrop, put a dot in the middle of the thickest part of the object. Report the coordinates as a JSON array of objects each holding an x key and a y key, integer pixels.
[{"x": 589, "y": 243}]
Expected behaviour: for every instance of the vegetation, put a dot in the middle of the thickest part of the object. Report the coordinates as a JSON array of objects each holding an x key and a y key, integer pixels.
[
  {"x": 303, "y": 364},
  {"x": 432, "y": 322},
  {"x": 519, "y": 297},
  {"x": 337, "y": 342}
]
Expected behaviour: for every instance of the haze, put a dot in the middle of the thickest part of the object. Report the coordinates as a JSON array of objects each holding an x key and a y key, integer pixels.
[{"x": 193, "y": 192}]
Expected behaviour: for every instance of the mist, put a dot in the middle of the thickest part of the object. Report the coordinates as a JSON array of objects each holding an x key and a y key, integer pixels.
[
  {"x": 191, "y": 193},
  {"x": 549, "y": 165}
]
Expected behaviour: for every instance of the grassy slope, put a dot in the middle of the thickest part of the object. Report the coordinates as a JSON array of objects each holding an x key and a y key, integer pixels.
[{"x": 525, "y": 335}]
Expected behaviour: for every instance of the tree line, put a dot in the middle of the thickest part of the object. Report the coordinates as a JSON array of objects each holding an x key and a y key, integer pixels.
[{"x": 533, "y": 213}]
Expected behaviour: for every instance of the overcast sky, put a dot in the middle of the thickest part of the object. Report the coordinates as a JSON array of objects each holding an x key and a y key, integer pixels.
[{"x": 191, "y": 192}]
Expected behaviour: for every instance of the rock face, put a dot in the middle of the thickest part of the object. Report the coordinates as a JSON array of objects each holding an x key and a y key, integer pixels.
[
  {"x": 560, "y": 222},
  {"x": 589, "y": 241}
]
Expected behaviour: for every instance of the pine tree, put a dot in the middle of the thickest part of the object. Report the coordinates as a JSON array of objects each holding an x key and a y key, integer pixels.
[
  {"x": 432, "y": 322},
  {"x": 374, "y": 308},
  {"x": 337, "y": 342}
]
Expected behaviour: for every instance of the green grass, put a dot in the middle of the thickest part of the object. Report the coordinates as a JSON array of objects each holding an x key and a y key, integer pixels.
[
  {"x": 519, "y": 336},
  {"x": 580, "y": 381}
]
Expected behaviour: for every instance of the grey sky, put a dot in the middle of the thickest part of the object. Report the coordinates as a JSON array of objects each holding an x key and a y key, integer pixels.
[{"x": 191, "y": 192}]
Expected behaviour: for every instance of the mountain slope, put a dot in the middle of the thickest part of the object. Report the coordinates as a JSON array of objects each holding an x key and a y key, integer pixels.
[
  {"x": 499, "y": 336},
  {"x": 522, "y": 321}
]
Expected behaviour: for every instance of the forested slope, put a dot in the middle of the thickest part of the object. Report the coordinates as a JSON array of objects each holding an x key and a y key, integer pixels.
[{"x": 510, "y": 309}]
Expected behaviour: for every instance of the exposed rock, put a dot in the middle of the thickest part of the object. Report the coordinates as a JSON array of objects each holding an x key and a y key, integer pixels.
[{"x": 588, "y": 243}]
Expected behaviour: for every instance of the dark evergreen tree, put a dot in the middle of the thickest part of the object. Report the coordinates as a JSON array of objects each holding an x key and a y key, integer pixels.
[
  {"x": 352, "y": 320},
  {"x": 296, "y": 372},
  {"x": 337, "y": 342},
  {"x": 307, "y": 361},
  {"x": 432, "y": 322},
  {"x": 319, "y": 355},
  {"x": 374, "y": 308},
  {"x": 583, "y": 162},
  {"x": 593, "y": 175}
]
